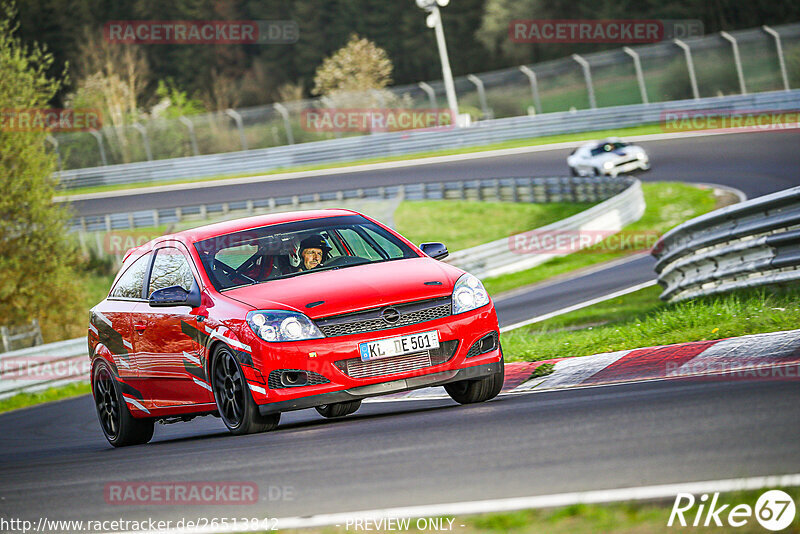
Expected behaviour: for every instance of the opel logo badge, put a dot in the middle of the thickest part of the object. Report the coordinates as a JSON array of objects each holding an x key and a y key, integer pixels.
[{"x": 390, "y": 315}]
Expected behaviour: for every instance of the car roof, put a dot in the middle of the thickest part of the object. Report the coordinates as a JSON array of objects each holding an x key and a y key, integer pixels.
[{"x": 208, "y": 231}]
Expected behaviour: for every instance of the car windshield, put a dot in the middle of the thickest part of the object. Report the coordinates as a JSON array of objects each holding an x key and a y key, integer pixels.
[
  {"x": 608, "y": 147},
  {"x": 293, "y": 249}
]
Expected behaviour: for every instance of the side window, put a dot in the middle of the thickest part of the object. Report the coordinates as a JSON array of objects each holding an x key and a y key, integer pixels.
[
  {"x": 129, "y": 285},
  {"x": 236, "y": 256},
  {"x": 171, "y": 268},
  {"x": 392, "y": 249},
  {"x": 357, "y": 244}
]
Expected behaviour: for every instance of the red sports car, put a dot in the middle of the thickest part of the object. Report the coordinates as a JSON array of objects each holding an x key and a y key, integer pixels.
[{"x": 253, "y": 317}]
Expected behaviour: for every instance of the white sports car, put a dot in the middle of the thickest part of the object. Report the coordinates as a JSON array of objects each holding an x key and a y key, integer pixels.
[{"x": 609, "y": 157}]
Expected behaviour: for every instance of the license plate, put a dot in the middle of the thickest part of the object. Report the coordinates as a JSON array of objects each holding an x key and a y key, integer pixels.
[{"x": 397, "y": 346}]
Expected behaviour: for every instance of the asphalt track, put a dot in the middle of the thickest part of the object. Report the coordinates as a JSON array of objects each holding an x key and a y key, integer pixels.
[
  {"x": 54, "y": 461},
  {"x": 756, "y": 163}
]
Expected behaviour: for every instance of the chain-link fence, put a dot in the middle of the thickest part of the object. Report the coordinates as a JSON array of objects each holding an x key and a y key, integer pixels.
[{"x": 748, "y": 61}]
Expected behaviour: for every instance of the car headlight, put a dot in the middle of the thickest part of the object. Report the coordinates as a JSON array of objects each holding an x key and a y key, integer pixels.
[
  {"x": 608, "y": 165},
  {"x": 277, "y": 325},
  {"x": 641, "y": 155},
  {"x": 469, "y": 294}
]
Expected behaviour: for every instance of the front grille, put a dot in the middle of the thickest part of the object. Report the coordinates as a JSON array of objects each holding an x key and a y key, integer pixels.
[
  {"x": 388, "y": 366},
  {"x": 372, "y": 320},
  {"x": 625, "y": 162},
  {"x": 274, "y": 379},
  {"x": 355, "y": 368}
]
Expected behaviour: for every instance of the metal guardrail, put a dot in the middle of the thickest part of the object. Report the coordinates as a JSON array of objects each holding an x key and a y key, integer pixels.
[
  {"x": 527, "y": 189},
  {"x": 750, "y": 244},
  {"x": 45, "y": 366},
  {"x": 501, "y": 257},
  {"x": 415, "y": 141},
  {"x": 30, "y": 336}
]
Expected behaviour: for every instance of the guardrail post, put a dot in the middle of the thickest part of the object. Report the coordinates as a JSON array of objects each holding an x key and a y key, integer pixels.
[
  {"x": 192, "y": 137},
  {"x": 637, "y": 66},
  {"x": 99, "y": 138},
  {"x": 537, "y": 103},
  {"x": 430, "y": 92},
  {"x": 54, "y": 142},
  {"x": 781, "y": 61},
  {"x": 145, "y": 140},
  {"x": 736, "y": 59},
  {"x": 239, "y": 125},
  {"x": 487, "y": 113},
  {"x": 280, "y": 108},
  {"x": 379, "y": 97},
  {"x": 328, "y": 103},
  {"x": 690, "y": 66},
  {"x": 587, "y": 75},
  {"x": 108, "y": 223},
  {"x": 6, "y": 338}
]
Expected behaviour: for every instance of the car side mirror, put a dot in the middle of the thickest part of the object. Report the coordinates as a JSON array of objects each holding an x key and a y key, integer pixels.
[
  {"x": 437, "y": 251},
  {"x": 175, "y": 296}
]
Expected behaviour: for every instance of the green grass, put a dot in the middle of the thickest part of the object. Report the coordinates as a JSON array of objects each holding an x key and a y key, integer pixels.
[
  {"x": 668, "y": 204},
  {"x": 640, "y": 319},
  {"x": 463, "y": 224},
  {"x": 635, "y": 517},
  {"x": 551, "y": 139},
  {"x": 23, "y": 400}
]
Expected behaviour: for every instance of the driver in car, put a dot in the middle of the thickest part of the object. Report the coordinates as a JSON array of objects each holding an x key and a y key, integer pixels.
[{"x": 313, "y": 252}]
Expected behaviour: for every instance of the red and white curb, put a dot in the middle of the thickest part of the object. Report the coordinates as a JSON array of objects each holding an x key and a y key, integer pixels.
[{"x": 772, "y": 356}]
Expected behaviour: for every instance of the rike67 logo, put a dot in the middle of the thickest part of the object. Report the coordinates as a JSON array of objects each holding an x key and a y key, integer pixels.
[{"x": 774, "y": 510}]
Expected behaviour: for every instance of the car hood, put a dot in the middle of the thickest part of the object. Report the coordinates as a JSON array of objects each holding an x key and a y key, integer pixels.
[{"x": 352, "y": 288}]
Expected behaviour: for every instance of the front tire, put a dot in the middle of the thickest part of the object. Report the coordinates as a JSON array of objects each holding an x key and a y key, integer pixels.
[
  {"x": 481, "y": 390},
  {"x": 338, "y": 409},
  {"x": 119, "y": 426},
  {"x": 235, "y": 403}
]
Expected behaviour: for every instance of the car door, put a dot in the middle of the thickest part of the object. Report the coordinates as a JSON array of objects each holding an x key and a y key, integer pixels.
[
  {"x": 111, "y": 320},
  {"x": 171, "y": 360}
]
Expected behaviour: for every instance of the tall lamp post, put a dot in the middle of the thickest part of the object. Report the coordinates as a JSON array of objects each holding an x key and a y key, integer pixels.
[{"x": 434, "y": 21}]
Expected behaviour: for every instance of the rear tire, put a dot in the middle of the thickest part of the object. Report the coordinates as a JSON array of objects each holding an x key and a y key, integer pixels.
[
  {"x": 339, "y": 409},
  {"x": 573, "y": 172},
  {"x": 119, "y": 426},
  {"x": 235, "y": 403},
  {"x": 481, "y": 390}
]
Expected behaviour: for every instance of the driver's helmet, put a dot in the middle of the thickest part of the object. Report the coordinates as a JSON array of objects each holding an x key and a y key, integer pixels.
[{"x": 312, "y": 241}]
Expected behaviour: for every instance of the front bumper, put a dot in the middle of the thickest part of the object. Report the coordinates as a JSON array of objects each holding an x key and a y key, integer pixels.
[
  {"x": 320, "y": 357},
  {"x": 630, "y": 166},
  {"x": 384, "y": 388}
]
